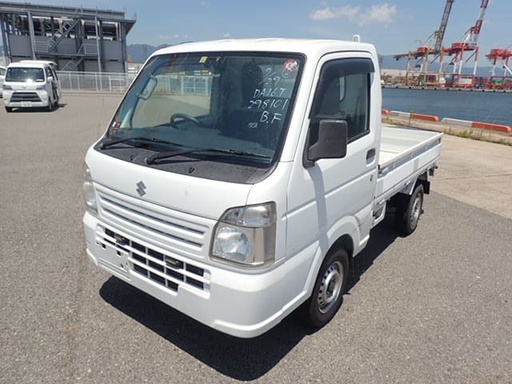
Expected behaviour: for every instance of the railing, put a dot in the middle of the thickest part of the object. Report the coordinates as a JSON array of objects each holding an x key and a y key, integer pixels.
[
  {"x": 184, "y": 85},
  {"x": 94, "y": 81},
  {"x": 119, "y": 82}
]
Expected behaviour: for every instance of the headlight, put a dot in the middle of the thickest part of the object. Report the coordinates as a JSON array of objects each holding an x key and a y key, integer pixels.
[
  {"x": 6, "y": 87},
  {"x": 41, "y": 86},
  {"x": 246, "y": 235},
  {"x": 89, "y": 192}
]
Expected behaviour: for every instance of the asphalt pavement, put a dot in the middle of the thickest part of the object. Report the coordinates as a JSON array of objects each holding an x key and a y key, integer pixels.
[{"x": 434, "y": 307}]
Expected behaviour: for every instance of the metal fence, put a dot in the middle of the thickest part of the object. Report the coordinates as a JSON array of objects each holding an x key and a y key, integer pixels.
[
  {"x": 94, "y": 81},
  {"x": 119, "y": 82},
  {"x": 184, "y": 85}
]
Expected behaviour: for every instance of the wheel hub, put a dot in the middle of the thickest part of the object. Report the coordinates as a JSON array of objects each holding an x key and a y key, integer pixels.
[
  {"x": 416, "y": 210},
  {"x": 330, "y": 288}
]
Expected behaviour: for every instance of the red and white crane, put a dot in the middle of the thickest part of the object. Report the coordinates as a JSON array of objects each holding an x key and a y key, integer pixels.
[
  {"x": 503, "y": 57},
  {"x": 432, "y": 46},
  {"x": 468, "y": 43}
]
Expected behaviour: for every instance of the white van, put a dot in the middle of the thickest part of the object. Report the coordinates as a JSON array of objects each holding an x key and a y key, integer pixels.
[{"x": 31, "y": 84}]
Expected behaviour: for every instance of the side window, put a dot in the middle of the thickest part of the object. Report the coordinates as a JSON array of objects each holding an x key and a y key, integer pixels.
[{"x": 343, "y": 93}]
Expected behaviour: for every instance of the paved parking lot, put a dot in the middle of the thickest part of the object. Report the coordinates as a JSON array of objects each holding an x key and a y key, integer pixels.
[{"x": 435, "y": 307}]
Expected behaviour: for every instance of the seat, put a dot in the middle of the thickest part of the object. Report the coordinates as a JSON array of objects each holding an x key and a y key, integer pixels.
[{"x": 245, "y": 124}]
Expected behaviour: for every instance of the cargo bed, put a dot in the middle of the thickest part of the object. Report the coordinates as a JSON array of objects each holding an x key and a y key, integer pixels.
[{"x": 405, "y": 153}]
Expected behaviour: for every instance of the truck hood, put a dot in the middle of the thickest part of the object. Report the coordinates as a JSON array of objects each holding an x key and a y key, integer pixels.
[{"x": 188, "y": 194}]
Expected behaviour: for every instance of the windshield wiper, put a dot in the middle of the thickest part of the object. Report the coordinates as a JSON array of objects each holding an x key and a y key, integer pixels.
[
  {"x": 108, "y": 144},
  {"x": 166, "y": 155}
]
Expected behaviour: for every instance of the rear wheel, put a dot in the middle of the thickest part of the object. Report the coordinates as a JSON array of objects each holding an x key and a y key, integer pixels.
[
  {"x": 409, "y": 210},
  {"x": 330, "y": 285}
]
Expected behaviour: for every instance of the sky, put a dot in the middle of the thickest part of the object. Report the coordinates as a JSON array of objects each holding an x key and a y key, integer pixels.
[{"x": 393, "y": 26}]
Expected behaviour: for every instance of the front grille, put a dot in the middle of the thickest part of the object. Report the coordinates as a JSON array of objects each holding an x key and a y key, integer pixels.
[
  {"x": 175, "y": 229},
  {"x": 159, "y": 267},
  {"x": 25, "y": 96}
]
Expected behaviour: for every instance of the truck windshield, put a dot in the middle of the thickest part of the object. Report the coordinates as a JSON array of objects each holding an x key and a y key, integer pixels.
[
  {"x": 25, "y": 75},
  {"x": 225, "y": 103}
]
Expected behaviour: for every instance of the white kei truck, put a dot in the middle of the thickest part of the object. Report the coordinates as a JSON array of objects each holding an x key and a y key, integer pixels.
[{"x": 238, "y": 178}]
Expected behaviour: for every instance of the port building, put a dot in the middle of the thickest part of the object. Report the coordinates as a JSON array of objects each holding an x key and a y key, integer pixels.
[{"x": 76, "y": 39}]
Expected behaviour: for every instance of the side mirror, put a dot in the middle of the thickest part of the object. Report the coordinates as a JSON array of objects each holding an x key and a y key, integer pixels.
[
  {"x": 331, "y": 143},
  {"x": 50, "y": 79}
]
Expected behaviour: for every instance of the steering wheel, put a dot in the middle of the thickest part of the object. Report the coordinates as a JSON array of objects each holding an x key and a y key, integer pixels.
[{"x": 184, "y": 116}]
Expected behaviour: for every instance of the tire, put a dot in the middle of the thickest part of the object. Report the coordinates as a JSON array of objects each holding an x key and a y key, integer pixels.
[
  {"x": 8, "y": 109},
  {"x": 328, "y": 291},
  {"x": 409, "y": 210}
]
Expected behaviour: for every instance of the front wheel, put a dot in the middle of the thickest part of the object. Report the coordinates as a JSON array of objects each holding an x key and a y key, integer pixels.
[
  {"x": 329, "y": 288},
  {"x": 8, "y": 109}
]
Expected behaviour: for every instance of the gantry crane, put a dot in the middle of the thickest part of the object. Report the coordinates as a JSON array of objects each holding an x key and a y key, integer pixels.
[
  {"x": 468, "y": 43},
  {"x": 502, "y": 56},
  {"x": 431, "y": 47}
]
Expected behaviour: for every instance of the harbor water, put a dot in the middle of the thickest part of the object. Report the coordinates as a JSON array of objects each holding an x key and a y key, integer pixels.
[{"x": 488, "y": 107}]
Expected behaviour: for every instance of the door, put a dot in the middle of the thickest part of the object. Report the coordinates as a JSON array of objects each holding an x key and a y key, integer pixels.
[
  {"x": 53, "y": 85},
  {"x": 334, "y": 197}
]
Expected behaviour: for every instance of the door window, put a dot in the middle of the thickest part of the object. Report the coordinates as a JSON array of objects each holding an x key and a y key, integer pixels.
[{"x": 343, "y": 93}]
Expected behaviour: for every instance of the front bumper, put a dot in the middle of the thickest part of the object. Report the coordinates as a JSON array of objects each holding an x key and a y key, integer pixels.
[
  {"x": 32, "y": 99},
  {"x": 238, "y": 303}
]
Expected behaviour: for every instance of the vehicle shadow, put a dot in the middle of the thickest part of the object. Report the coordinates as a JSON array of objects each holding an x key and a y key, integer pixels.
[
  {"x": 241, "y": 359},
  {"x": 381, "y": 237},
  {"x": 253, "y": 357}
]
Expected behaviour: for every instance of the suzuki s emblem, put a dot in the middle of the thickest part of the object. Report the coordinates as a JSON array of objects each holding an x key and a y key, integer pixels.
[{"x": 141, "y": 188}]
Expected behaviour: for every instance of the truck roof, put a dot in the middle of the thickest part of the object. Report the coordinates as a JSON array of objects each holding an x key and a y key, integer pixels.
[{"x": 309, "y": 47}]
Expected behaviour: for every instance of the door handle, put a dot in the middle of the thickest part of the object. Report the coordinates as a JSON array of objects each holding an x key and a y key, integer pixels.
[{"x": 370, "y": 156}]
